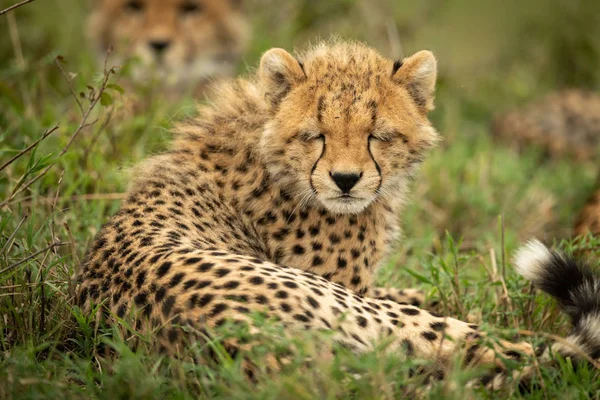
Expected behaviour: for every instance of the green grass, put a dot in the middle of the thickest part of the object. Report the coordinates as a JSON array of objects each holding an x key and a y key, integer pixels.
[{"x": 474, "y": 202}]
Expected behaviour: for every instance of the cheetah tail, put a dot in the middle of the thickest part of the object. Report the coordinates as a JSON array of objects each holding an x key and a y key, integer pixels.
[{"x": 573, "y": 284}]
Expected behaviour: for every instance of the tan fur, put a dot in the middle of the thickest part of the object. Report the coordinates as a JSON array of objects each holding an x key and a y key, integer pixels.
[
  {"x": 563, "y": 123},
  {"x": 242, "y": 214},
  {"x": 206, "y": 37}
]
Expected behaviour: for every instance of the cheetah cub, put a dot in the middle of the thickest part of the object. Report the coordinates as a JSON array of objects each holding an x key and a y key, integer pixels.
[{"x": 282, "y": 197}]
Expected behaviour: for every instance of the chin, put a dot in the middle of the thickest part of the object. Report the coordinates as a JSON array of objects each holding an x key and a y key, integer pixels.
[{"x": 346, "y": 206}]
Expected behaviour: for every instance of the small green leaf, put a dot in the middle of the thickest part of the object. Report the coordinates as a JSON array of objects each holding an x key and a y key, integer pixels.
[
  {"x": 115, "y": 87},
  {"x": 106, "y": 99}
]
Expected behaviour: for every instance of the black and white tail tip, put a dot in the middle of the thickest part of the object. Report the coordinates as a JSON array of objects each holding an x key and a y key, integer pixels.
[{"x": 572, "y": 283}]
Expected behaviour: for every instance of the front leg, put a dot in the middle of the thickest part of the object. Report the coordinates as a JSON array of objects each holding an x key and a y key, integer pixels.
[{"x": 415, "y": 297}]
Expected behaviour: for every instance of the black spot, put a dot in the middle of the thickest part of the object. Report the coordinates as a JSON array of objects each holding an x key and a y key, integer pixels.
[
  {"x": 301, "y": 318},
  {"x": 204, "y": 300},
  {"x": 285, "y": 307},
  {"x": 190, "y": 283},
  {"x": 471, "y": 351},
  {"x": 260, "y": 299},
  {"x": 192, "y": 260},
  {"x": 513, "y": 354},
  {"x": 221, "y": 272},
  {"x": 431, "y": 336},
  {"x": 205, "y": 266},
  {"x": 121, "y": 311},
  {"x": 173, "y": 334},
  {"x": 341, "y": 263},
  {"x": 410, "y": 311},
  {"x": 160, "y": 294},
  {"x": 203, "y": 284},
  {"x": 317, "y": 261},
  {"x": 231, "y": 285},
  {"x": 290, "y": 284},
  {"x": 217, "y": 309},
  {"x": 163, "y": 269},
  {"x": 140, "y": 298},
  {"x": 408, "y": 347},
  {"x": 314, "y": 303},
  {"x": 141, "y": 278},
  {"x": 168, "y": 305},
  {"x": 281, "y": 294},
  {"x": 176, "y": 279},
  {"x": 362, "y": 321},
  {"x": 256, "y": 280},
  {"x": 297, "y": 249},
  {"x": 438, "y": 326}
]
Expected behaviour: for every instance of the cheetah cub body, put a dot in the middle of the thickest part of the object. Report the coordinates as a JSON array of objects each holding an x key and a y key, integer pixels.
[{"x": 282, "y": 197}]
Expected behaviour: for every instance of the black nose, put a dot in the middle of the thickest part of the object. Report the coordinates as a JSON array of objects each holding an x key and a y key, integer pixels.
[
  {"x": 345, "y": 181},
  {"x": 159, "y": 45}
]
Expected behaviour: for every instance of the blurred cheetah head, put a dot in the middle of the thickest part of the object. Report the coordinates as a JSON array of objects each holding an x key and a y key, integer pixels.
[{"x": 177, "y": 41}]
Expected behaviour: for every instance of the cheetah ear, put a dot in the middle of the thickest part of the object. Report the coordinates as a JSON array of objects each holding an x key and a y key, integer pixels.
[
  {"x": 279, "y": 72},
  {"x": 417, "y": 74}
]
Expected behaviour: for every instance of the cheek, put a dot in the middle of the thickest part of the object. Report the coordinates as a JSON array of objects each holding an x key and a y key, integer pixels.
[
  {"x": 198, "y": 32},
  {"x": 302, "y": 156},
  {"x": 391, "y": 158},
  {"x": 127, "y": 31}
]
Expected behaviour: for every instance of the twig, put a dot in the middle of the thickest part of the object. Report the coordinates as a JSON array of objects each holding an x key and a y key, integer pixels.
[
  {"x": 31, "y": 146},
  {"x": 8, "y": 243},
  {"x": 69, "y": 80},
  {"x": 14, "y": 6},
  {"x": 96, "y": 136},
  {"x": 92, "y": 196},
  {"x": 37, "y": 253},
  {"x": 72, "y": 240}
]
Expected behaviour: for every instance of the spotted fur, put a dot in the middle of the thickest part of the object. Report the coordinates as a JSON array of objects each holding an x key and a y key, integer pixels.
[{"x": 247, "y": 211}]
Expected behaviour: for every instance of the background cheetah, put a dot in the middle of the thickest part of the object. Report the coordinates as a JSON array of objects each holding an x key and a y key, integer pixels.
[
  {"x": 563, "y": 123},
  {"x": 181, "y": 43},
  {"x": 282, "y": 197}
]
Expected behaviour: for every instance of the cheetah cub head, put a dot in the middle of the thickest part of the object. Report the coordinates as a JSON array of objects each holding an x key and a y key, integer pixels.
[{"x": 348, "y": 126}]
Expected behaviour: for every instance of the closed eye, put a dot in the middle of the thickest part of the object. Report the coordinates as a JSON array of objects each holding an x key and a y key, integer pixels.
[
  {"x": 190, "y": 7},
  {"x": 306, "y": 136},
  {"x": 382, "y": 137},
  {"x": 389, "y": 136},
  {"x": 134, "y": 6}
]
